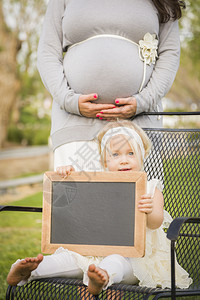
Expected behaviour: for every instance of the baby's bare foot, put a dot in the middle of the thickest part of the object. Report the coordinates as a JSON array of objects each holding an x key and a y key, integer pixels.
[
  {"x": 22, "y": 270},
  {"x": 98, "y": 278}
]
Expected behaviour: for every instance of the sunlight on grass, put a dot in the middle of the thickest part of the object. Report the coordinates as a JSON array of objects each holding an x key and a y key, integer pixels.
[{"x": 20, "y": 236}]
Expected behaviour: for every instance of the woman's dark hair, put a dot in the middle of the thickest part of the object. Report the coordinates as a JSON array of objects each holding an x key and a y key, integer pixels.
[{"x": 169, "y": 9}]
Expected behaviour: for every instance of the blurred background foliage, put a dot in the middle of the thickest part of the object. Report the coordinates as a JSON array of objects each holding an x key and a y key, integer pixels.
[
  {"x": 25, "y": 104},
  {"x": 186, "y": 88}
]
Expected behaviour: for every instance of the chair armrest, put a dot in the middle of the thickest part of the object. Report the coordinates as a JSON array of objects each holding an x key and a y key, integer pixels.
[
  {"x": 175, "y": 226},
  {"x": 173, "y": 234},
  {"x": 20, "y": 208}
]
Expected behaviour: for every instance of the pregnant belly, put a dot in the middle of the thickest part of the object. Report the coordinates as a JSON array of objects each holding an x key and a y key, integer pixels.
[{"x": 109, "y": 67}]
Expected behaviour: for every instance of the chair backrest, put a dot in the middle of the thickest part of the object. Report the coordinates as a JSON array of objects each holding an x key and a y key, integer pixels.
[{"x": 175, "y": 159}]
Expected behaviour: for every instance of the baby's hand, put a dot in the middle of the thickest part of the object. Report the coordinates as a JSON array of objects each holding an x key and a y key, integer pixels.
[
  {"x": 65, "y": 170},
  {"x": 146, "y": 204}
]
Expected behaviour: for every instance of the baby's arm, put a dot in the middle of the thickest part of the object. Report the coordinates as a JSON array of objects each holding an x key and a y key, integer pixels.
[
  {"x": 65, "y": 170},
  {"x": 153, "y": 207}
]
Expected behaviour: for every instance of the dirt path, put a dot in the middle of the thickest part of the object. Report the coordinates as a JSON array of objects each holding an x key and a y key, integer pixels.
[
  {"x": 20, "y": 193},
  {"x": 19, "y": 167}
]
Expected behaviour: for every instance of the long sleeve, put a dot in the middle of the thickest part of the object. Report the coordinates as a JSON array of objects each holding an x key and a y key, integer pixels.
[
  {"x": 50, "y": 58},
  {"x": 165, "y": 68}
]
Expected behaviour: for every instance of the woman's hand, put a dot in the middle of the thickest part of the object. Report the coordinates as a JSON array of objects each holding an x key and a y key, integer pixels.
[
  {"x": 146, "y": 204},
  {"x": 89, "y": 109},
  {"x": 126, "y": 108},
  {"x": 65, "y": 170}
]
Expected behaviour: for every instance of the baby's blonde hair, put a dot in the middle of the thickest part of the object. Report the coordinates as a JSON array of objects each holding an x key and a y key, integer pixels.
[{"x": 145, "y": 140}]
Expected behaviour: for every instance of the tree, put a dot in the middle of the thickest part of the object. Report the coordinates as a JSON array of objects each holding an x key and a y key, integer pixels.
[
  {"x": 9, "y": 82},
  {"x": 20, "y": 23}
]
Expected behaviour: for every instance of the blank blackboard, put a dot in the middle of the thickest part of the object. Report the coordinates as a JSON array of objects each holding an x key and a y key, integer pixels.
[{"x": 94, "y": 213}]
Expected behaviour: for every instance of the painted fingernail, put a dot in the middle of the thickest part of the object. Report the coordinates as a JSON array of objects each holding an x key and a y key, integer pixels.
[
  {"x": 101, "y": 112},
  {"x": 97, "y": 115},
  {"x": 95, "y": 96},
  {"x": 114, "y": 106},
  {"x": 116, "y": 101},
  {"x": 101, "y": 118}
]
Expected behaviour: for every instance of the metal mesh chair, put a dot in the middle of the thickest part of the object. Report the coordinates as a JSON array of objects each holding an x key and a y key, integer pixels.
[{"x": 175, "y": 159}]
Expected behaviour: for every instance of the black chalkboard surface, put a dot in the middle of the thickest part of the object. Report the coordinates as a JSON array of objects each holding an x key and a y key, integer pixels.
[{"x": 94, "y": 213}]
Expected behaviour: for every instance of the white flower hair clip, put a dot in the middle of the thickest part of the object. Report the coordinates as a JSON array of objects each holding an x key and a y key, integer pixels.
[{"x": 148, "y": 48}]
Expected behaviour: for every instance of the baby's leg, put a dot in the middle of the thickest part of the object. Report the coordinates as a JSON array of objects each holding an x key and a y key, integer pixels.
[
  {"x": 22, "y": 269},
  {"x": 113, "y": 269},
  {"x": 119, "y": 269},
  {"x": 98, "y": 278},
  {"x": 61, "y": 264}
]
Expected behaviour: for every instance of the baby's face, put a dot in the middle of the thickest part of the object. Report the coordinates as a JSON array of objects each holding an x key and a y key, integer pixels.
[{"x": 121, "y": 156}]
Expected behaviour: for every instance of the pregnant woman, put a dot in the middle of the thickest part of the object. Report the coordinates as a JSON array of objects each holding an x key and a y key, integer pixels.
[{"x": 102, "y": 61}]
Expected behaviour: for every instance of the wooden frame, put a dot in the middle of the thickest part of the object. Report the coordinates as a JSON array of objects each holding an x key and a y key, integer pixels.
[{"x": 136, "y": 249}]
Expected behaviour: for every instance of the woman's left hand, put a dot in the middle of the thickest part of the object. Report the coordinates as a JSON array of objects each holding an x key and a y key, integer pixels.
[{"x": 125, "y": 109}]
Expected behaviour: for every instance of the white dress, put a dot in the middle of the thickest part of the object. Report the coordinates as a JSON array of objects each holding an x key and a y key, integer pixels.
[{"x": 152, "y": 270}]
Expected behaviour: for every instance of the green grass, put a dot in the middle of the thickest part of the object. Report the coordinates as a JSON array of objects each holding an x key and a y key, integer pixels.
[
  {"x": 20, "y": 236},
  {"x": 27, "y": 175}
]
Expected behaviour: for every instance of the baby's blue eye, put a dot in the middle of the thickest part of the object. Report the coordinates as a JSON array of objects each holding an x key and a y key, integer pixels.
[
  {"x": 131, "y": 153},
  {"x": 115, "y": 154}
]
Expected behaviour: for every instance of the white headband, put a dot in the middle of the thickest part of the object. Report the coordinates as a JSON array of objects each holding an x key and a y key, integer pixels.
[{"x": 131, "y": 133}]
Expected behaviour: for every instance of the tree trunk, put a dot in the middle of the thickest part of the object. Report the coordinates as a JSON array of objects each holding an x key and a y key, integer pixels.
[{"x": 9, "y": 83}]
